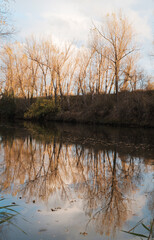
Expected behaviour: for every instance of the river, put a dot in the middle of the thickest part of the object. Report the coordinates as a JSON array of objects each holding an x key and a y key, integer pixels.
[{"x": 75, "y": 181}]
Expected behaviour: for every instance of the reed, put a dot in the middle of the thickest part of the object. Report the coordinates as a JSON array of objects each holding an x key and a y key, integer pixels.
[
  {"x": 149, "y": 230},
  {"x": 7, "y": 213}
]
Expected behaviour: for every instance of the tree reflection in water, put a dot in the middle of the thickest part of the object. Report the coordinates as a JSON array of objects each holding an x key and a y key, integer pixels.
[{"x": 37, "y": 165}]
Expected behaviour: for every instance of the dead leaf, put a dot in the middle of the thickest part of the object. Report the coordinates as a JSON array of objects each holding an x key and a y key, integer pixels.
[{"x": 83, "y": 233}]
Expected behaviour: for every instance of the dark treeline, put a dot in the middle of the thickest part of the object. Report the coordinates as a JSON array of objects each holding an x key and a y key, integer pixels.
[{"x": 131, "y": 109}]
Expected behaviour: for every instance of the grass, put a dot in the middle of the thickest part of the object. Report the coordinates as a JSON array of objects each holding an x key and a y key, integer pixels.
[
  {"x": 7, "y": 214},
  {"x": 149, "y": 230}
]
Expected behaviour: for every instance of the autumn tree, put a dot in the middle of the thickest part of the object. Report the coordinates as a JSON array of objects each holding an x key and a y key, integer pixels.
[
  {"x": 6, "y": 27},
  {"x": 116, "y": 36},
  {"x": 19, "y": 73},
  {"x": 55, "y": 64},
  {"x": 102, "y": 73},
  {"x": 83, "y": 72}
]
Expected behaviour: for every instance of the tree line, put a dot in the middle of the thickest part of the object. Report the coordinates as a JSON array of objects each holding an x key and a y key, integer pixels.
[{"x": 108, "y": 64}]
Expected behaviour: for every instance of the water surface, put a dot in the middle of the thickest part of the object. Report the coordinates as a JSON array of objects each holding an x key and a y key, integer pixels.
[{"x": 75, "y": 181}]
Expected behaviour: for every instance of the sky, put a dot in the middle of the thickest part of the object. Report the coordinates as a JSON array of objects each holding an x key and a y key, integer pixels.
[{"x": 71, "y": 20}]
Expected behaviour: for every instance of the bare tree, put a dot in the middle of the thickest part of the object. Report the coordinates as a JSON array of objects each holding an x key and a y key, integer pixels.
[
  {"x": 101, "y": 66},
  {"x": 84, "y": 58},
  {"x": 117, "y": 36}
]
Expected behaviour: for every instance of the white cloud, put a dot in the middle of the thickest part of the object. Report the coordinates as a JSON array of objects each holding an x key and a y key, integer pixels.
[
  {"x": 68, "y": 27},
  {"x": 72, "y": 19},
  {"x": 140, "y": 24}
]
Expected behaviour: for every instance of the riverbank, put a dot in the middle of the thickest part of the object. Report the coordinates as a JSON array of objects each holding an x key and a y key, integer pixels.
[{"x": 132, "y": 109}]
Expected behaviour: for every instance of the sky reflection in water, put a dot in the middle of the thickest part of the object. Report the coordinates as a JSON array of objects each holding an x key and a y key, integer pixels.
[{"x": 76, "y": 182}]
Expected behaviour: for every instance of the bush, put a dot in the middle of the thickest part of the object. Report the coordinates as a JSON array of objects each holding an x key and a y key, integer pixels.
[
  {"x": 41, "y": 109},
  {"x": 7, "y": 105}
]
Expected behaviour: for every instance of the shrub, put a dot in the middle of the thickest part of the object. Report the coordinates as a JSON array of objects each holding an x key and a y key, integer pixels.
[
  {"x": 7, "y": 105},
  {"x": 41, "y": 109}
]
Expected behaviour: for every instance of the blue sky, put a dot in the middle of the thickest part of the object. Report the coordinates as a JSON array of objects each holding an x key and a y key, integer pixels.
[{"x": 72, "y": 19}]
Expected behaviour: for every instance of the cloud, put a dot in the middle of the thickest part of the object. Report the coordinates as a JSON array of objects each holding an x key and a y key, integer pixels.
[
  {"x": 72, "y": 20},
  {"x": 140, "y": 24},
  {"x": 68, "y": 27},
  {"x": 76, "y": 16}
]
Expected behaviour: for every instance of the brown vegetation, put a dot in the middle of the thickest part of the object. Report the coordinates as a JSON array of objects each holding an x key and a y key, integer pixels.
[{"x": 132, "y": 109}]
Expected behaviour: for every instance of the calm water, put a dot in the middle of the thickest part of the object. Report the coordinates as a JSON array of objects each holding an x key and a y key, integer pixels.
[{"x": 75, "y": 182}]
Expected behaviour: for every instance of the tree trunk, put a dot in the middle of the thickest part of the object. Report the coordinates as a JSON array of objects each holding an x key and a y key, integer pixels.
[{"x": 116, "y": 80}]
